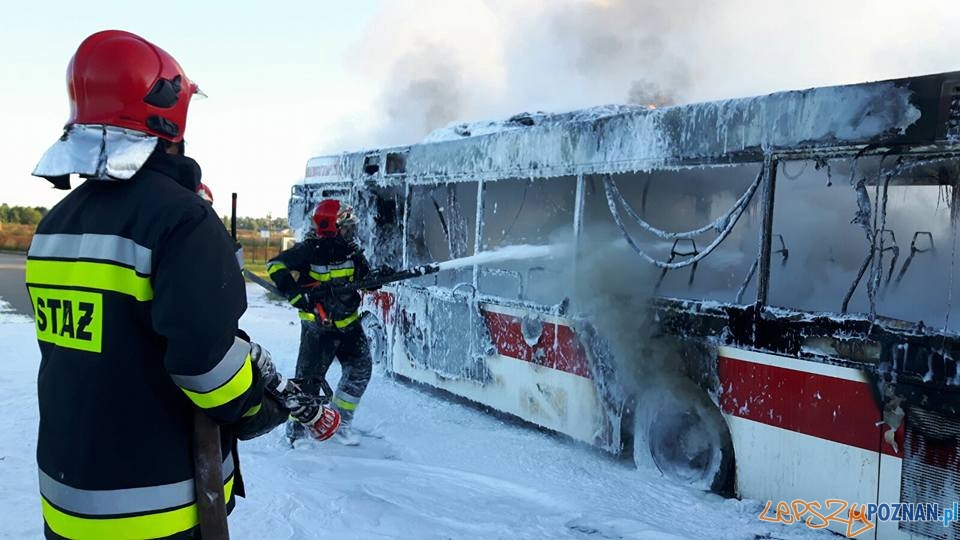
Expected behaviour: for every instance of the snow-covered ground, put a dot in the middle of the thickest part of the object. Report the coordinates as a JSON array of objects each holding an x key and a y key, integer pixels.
[{"x": 427, "y": 468}]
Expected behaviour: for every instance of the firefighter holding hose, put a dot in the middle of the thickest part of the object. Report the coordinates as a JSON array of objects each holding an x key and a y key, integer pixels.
[{"x": 325, "y": 261}]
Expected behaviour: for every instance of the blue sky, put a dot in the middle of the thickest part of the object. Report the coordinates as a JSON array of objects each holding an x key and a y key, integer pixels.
[{"x": 288, "y": 80}]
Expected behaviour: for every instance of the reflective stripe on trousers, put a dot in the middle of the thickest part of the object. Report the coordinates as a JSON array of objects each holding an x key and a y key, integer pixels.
[{"x": 345, "y": 402}]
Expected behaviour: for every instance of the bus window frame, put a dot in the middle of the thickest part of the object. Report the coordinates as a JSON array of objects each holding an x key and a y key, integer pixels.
[
  {"x": 769, "y": 160},
  {"x": 540, "y": 307}
]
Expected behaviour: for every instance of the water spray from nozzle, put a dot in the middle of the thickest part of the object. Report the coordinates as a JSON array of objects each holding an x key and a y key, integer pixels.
[{"x": 507, "y": 253}]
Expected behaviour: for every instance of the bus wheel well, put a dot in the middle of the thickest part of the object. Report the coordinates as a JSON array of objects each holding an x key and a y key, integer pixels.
[{"x": 676, "y": 429}]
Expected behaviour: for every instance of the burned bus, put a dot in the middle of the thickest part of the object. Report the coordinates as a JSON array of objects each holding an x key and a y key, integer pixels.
[{"x": 755, "y": 296}]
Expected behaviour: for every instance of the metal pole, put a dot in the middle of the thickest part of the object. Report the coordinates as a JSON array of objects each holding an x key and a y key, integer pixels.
[
  {"x": 766, "y": 232},
  {"x": 407, "y": 199},
  {"x": 233, "y": 216},
  {"x": 478, "y": 234},
  {"x": 577, "y": 227}
]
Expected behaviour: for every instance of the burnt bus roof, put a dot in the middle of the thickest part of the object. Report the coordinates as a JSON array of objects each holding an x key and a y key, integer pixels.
[{"x": 921, "y": 113}]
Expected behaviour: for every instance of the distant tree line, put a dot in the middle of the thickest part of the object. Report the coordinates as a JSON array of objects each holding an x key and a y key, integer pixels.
[
  {"x": 250, "y": 223},
  {"x": 23, "y": 215}
]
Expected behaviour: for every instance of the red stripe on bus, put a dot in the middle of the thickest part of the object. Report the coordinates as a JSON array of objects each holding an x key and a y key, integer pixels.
[
  {"x": 557, "y": 348},
  {"x": 830, "y": 408}
]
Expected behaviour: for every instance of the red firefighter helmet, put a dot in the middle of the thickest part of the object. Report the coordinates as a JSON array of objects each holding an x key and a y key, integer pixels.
[
  {"x": 325, "y": 218},
  {"x": 331, "y": 217},
  {"x": 120, "y": 79}
]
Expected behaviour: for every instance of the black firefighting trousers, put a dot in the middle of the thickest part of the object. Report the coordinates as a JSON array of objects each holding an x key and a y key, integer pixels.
[{"x": 318, "y": 348}]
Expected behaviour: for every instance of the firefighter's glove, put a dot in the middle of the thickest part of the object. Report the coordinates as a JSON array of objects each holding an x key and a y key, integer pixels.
[
  {"x": 320, "y": 419},
  {"x": 272, "y": 379},
  {"x": 325, "y": 424}
]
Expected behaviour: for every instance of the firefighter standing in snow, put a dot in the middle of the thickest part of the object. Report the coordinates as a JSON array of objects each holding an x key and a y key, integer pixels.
[
  {"x": 330, "y": 325},
  {"x": 137, "y": 296}
]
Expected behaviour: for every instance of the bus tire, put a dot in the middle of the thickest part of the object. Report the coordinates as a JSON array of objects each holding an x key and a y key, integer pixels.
[{"x": 682, "y": 432}]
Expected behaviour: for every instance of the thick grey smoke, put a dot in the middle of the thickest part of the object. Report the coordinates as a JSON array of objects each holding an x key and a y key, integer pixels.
[
  {"x": 650, "y": 94},
  {"x": 609, "y": 42},
  {"x": 425, "y": 93},
  {"x": 613, "y": 292},
  {"x": 472, "y": 60}
]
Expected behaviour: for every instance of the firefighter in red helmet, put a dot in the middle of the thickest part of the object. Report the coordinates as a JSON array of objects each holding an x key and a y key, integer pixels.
[
  {"x": 137, "y": 299},
  {"x": 330, "y": 321},
  {"x": 204, "y": 192}
]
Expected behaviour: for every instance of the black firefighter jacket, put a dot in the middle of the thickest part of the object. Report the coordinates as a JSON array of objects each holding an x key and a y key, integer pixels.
[
  {"x": 137, "y": 295},
  {"x": 321, "y": 262}
]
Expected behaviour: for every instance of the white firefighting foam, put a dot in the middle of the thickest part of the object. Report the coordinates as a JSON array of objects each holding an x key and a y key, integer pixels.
[
  {"x": 426, "y": 468},
  {"x": 8, "y": 315}
]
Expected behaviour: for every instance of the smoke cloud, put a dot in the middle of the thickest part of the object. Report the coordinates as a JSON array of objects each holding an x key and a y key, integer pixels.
[
  {"x": 428, "y": 94},
  {"x": 440, "y": 62},
  {"x": 608, "y": 42}
]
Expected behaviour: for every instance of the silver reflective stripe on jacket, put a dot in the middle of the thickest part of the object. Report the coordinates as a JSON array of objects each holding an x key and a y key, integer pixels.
[
  {"x": 101, "y": 247},
  {"x": 225, "y": 369},
  {"x": 104, "y": 502},
  {"x": 324, "y": 268}
]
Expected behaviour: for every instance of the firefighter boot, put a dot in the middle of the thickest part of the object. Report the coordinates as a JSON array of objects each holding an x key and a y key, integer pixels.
[
  {"x": 295, "y": 431},
  {"x": 347, "y": 405},
  {"x": 346, "y": 435}
]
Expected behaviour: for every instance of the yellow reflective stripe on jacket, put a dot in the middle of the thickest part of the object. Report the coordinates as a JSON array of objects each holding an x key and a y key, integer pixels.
[
  {"x": 342, "y": 273},
  {"x": 252, "y": 410},
  {"x": 327, "y": 272},
  {"x": 154, "y": 525},
  {"x": 89, "y": 275},
  {"x": 333, "y": 274},
  {"x": 342, "y": 323},
  {"x": 124, "y": 501},
  {"x": 276, "y": 266},
  {"x": 232, "y": 389},
  {"x": 296, "y": 299},
  {"x": 218, "y": 375},
  {"x": 320, "y": 277}
]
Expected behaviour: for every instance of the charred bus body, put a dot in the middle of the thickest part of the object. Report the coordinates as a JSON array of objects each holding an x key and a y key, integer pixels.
[{"x": 754, "y": 295}]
